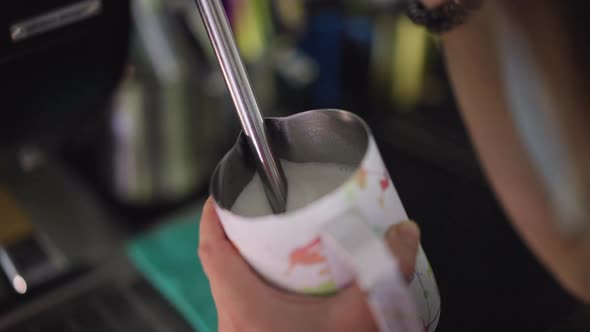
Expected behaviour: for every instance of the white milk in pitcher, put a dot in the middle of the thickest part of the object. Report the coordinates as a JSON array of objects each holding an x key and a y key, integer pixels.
[{"x": 306, "y": 183}]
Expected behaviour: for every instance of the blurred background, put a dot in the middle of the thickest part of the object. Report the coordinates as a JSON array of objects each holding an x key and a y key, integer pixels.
[{"x": 114, "y": 115}]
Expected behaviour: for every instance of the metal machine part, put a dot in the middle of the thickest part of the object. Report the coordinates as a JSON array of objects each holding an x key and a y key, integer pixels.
[
  {"x": 55, "y": 19},
  {"x": 236, "y": 78},
  {"x": 162, "y": 146}
]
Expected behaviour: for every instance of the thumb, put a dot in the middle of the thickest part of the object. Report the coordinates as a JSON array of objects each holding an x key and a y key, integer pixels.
[{"x": 404, "y": 241}]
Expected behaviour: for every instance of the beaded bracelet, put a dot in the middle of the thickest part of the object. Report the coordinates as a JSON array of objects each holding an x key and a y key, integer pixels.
[{"x": 444, "y": 17}]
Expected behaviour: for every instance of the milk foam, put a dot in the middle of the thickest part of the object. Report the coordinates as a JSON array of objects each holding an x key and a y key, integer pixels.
[{"x": 307, "y": 182}]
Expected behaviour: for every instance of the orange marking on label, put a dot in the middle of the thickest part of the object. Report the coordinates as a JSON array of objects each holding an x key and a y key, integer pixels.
[
  {"x": 361, "y": 178},
  {"x": 306, "y": 255}
]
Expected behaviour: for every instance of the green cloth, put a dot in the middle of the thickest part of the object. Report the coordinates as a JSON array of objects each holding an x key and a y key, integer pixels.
[{"x": 167, "y": 257}]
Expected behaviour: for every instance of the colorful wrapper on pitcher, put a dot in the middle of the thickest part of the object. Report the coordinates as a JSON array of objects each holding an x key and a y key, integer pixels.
[{"x": 288, "y": 249}]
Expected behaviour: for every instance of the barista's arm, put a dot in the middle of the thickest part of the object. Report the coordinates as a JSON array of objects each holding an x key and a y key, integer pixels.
[{"x": 475, "y": 74}]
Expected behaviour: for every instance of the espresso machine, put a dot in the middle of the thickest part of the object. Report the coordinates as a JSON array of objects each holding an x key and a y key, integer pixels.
[
  {"x": 66, "y": 71},
  {"x": 60, "y": 60},
  {"x": 107, "y": 85},
  {"x": 65, "y": 63}
]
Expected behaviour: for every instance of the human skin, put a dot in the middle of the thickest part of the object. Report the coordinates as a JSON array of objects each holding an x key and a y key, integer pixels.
[
  {"x": 246, "y": 303},
  {"x": 473, "y": 66}
]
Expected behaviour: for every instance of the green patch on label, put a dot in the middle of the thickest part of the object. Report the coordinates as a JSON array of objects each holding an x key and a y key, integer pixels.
[
  {"x": 350, "y": 192},
  {"x": 326, "y": 288}
]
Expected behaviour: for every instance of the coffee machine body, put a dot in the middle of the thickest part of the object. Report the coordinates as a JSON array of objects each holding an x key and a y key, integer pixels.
[{"x": 68, "y": 54}]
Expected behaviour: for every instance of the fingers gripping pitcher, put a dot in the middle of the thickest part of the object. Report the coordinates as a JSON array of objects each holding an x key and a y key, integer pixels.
[{"x": 337, "y": 215}]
